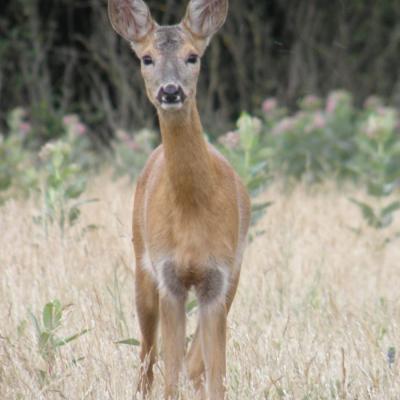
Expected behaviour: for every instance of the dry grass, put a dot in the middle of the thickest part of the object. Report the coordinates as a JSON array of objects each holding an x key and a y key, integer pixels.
[{"x": 316, "y": 312}]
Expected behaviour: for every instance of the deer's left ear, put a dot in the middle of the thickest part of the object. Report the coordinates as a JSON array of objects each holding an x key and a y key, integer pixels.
[{"x": 205, "y": 17}]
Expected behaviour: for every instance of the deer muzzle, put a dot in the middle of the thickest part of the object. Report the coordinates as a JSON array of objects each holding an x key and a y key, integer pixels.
[{"x": 171, "y": 96}]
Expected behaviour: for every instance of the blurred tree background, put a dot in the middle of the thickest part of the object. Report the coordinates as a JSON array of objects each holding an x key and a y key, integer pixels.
[{"x": 62, "y": 56}]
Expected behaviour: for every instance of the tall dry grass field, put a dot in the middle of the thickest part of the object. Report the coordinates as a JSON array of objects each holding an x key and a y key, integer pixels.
[{"x": 316, "y": 316}]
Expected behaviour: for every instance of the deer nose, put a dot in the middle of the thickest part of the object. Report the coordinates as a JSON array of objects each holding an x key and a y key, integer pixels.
[
  {"x": 171, "y": 94},
  {"x": 171, "y": 90}
]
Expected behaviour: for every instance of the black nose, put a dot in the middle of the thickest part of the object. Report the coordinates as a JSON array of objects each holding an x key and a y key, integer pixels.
[
  {"x": 171, "y": 90},
  {"x": 171, "y": 94}
]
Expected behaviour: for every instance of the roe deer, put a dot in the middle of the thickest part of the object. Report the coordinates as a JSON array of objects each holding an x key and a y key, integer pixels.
[{"x": 191, "y": 211}]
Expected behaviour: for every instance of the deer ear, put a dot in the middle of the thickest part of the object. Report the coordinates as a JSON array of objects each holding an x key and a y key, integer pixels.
[
  {"x": 205, "y": 17},
  {"x": 130, "y": 18}
]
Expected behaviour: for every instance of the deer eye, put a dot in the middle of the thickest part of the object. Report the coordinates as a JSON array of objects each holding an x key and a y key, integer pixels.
[
  {"x": 147, "y": 60},
  {"x": 192, "y": 59}
]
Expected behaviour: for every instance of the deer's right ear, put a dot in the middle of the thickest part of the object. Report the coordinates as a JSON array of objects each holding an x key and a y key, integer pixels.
[{"x": 130, "y": 18}]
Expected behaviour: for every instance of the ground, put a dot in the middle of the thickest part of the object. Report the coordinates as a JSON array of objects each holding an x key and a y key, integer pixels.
[{"x": 316, "y": 315}]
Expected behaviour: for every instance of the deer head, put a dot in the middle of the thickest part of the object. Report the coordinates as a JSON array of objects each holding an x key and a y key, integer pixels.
[{"x": 170, "y": 55}]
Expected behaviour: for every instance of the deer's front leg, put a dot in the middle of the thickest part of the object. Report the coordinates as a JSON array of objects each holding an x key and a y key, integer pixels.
[
  {"x": 213, "y": 345},
  {"x": 195, "y": 355},
  {"x": 173, "y": 339},
  {"x": 147, "y": 310},
  {"x": 212, "y": 294}
]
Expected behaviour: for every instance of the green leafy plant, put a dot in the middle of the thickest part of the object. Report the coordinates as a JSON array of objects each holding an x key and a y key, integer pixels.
[
  {"x": 315, "y": 142},
  {"x": 377, "y": 166},
  {"x": 48, "y": 340},
  {"x": 245, "y": 150},
  {"x": 63, "y": 182}
]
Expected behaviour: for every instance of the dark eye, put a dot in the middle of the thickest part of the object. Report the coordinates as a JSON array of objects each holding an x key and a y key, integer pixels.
[
  {"x": 192, "y": 59},
  {"x": 147, "y": 60}
]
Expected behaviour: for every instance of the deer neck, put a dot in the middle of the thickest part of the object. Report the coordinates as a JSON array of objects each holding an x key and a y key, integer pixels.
[{"x": 188, "y": 161}]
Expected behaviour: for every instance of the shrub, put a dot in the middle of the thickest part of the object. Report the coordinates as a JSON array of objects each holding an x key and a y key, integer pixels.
[
  {"x": 130, "y": 152},
  {"x": 48, "y": 340},
  {"x": 314, "y": 142},
  {"x": 377, "y": 164},
  {"x": 17, "y": 170},
  {"x": 62, "y": 183},
  {"x": 247, "y": 154}
]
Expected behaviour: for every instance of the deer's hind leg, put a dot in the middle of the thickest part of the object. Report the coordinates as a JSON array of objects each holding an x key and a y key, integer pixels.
[{"x": 147, "y": 306}]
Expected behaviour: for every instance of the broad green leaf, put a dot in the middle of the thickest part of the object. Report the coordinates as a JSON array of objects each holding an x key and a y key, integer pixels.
[
  {"x": 391, "y": 208},
  {"x": 52, "y": 314},
  {"x": 75, "y": 190},
  {"x": 73, "y": 215},
  {"x": 44, "y": 341},
  {"x": 367, "y": 212},
  {"x": 130, "y": 342},
  {"x": 261, "y": 206},
  {"x": 380, "y": 189},
  {"x": 385, "y": 221},
  {"x": 256, "y": 183}
]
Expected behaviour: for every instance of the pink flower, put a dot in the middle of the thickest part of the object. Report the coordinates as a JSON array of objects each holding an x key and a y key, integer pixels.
[
  {"x": 336, "y": 98},
  {"x": 70, "y": 120},
  {"x": 311, "y": 102},
  {"x": 269, "y": 105},
  {"x": 25, "y": 128},
  {"x": 285, "y": 125},
  {"x": 74, "y": 125},
  {"x": 122, "y": 135},
  {"x": 231, "y": 140},
  {"x": 331, "y": 104},
  {"x": 80, "y": 129},
  {"x": 134, "y": 145},
  {"x": 319, "y": 121}
]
